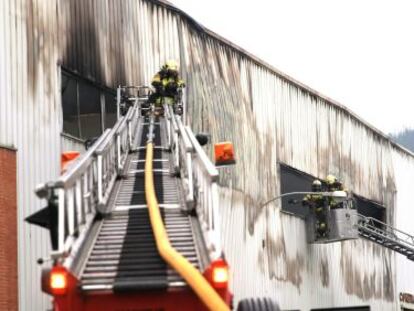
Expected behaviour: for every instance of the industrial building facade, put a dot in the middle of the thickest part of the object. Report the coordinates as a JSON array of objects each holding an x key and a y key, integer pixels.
[{"x": 60, "y": 61}]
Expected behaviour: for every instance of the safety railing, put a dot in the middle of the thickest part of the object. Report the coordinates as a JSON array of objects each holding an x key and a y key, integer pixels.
[
  {"x": 186, "y": 151},
  {"x": 170, "y": 129},
  {"x": 173, "y": 138},
  {"x": 86, "y": 185},
  {"x": 204, "y": 185},
  {"x": 114, "y": 150},
  {"x": 199, "y": 178},
  {"x": 182, "y": 150},
  {"x": 385, "y": 232},
  {"x": 77, "y": 198}
]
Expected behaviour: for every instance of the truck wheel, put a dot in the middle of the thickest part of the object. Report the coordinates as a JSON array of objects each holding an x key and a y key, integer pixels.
[{"x": 257, "y": 304}]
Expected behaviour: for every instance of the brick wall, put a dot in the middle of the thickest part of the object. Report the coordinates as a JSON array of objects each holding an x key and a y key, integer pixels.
[{"x": 8, "y": 230}]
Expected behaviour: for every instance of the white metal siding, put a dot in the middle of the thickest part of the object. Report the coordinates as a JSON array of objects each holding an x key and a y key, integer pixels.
[
  {"x": 69, "y": 143},
  {"x": 234, "y": 96},
  {"x": 404, "y": 171},
  {"x": 270, "y": 119},
  {"x": 29, "y": 121}
]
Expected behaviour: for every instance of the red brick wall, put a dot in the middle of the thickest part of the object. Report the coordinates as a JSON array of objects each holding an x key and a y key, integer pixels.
[{"x": 8, "y": 230}]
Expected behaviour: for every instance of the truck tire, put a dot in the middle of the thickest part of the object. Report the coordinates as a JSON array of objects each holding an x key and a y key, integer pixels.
[{"x": 257, "y": 304}]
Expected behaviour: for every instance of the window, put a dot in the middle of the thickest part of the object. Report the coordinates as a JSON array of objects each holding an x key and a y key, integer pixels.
[
  {"x": 370, "y": 208},
  {"x": 88, "y": 109},
  {"x": 70, "y": 106},
  {"x": 110, "y": 110},
  {"x": 293, "y": 180}
]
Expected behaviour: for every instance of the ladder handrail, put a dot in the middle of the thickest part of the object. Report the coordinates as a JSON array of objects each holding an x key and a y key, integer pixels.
[
  {"x": 86, "y": 185},
  {"x": 387, "y": 232},
  {"x": 205, "y": 185},
  {"x": 182, "y": 150},
  {"x": 186, "y": 151},
  {"x": 79, "y": 166},
  {"x": 209, "y": 167},
  {"x": 199, "y": 178},
  {"x": 114, "y": 150},
  {"x": 173, "y": 136}
]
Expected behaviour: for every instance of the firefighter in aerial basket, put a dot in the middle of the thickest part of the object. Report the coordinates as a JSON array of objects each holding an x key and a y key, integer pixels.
[
  {"x": 317, "y": 205},
  {"x": 333, "y": 184},
  {"x": 168, "y": 88}
]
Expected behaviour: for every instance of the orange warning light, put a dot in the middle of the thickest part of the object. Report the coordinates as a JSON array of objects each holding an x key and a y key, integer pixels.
[
  {"x": 58, "y": 280},
  {"x": 224, "y": 153},
  {"x": 220, "y": 276},
  {"x": 66, "y": 158}
]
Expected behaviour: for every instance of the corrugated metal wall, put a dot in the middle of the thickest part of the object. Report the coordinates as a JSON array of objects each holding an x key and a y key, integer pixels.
[
  {"x": 68, "y": 143},
  {"x": 232, "y": 95},
  {"x": 404, "y": 173},
  {"x": 270, "y": 119},
  {"x": 29, "y": 121}
]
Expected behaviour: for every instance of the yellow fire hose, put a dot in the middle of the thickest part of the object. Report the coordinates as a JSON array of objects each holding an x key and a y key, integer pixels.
[{"x": 194, "y": 278}]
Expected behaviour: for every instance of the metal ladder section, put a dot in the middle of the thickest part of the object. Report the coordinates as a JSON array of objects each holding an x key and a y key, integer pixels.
[
  {"x": 124, "y": 256},
  {"x": 386, "y": 235},
  {"x": 103, "y": 235}
]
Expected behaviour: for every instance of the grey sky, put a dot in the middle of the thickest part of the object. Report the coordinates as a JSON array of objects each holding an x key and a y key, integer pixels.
[{"x": 358, "y": 52}]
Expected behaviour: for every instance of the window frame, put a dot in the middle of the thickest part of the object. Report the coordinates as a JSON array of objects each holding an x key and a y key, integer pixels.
[
  {"x": 104, "y": 93},
  {"x": 382, "y": 209}
]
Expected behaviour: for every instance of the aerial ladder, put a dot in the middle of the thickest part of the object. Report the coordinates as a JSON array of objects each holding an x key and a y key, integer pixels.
[
  {"x": 346, "y": 223},
  {"x": 386, "y": 235},
  {"x": 134, "y": 220}
]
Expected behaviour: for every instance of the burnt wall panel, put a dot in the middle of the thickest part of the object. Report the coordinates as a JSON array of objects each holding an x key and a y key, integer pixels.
[{"x": 231, "y": 94}]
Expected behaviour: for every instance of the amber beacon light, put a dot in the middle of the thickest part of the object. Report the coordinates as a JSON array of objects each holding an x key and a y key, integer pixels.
[
  {"x": 58, "y": 280},
  {"x": 224, "y": 153}
]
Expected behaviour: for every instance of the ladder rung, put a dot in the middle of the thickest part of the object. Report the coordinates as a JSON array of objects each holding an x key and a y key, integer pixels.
[{"x": 154, "y": 160}]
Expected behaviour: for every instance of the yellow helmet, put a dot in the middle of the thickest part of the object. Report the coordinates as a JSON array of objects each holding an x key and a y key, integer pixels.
[
  {"x": 322, "y": 225},
  {"x": 171, "y": 65},
  {"x": 330, "y": 179}
]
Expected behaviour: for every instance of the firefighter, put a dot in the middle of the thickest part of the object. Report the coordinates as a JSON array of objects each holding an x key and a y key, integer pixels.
[
  {"x": 314, "y": 200},
  {"x": 168, "y": 87},
  {"x": 156, "y": 96},
  {"x": 317, "y": 205},
  {"x": 321, "y": 228},
  {"x": 333, "y": 184}
]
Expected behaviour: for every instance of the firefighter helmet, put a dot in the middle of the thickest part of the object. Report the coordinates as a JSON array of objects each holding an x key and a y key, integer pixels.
[
  {"x": 316, "y": 186},
  {"x": 331, "y": 179},
  {"x": 321, "y": 226},
  {"x": 171, "y": 65}
]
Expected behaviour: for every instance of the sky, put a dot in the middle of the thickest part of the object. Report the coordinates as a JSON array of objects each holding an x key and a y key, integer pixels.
[{"x": 357, "y": 52}]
